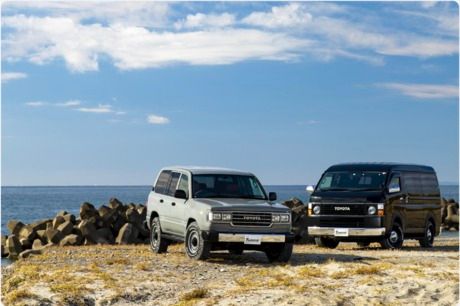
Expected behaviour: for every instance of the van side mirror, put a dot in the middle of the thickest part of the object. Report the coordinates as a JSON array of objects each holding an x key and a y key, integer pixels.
[
  {"x": 272, "y": 196},
  {"x": 310, "y": 189},
  {"x": 180, "y": 194},
  {"x": 394, "y": 189}
]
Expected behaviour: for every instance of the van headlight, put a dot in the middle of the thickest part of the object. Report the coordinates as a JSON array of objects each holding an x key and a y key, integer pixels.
[
  {"x": 371, "y": 210},
  {"x": 316, "y": 209}
]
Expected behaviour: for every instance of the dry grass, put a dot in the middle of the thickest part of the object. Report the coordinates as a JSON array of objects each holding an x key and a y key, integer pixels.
[
  {"x": 142, "y": 266},
  {"x": 15, "y": 296},
  {"x": 308, "y": 272}
]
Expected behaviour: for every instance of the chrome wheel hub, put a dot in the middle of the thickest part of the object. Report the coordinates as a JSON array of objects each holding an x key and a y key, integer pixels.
[
  {"x": 393, "y": 236},
  {"x": 192, "y": 244}
]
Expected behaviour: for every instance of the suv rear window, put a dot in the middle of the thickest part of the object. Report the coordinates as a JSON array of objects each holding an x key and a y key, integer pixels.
[
  {"x": 173, "y": 184},
  {"x": 162, "y": 183}
]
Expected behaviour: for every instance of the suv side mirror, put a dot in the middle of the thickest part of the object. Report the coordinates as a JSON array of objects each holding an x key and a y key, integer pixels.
[
  {"x": 394, "y": 189},
  {"x": 272, "y": 196},
  {"x": 310, "y": 189},
  {"x": 180, "y": 194}
]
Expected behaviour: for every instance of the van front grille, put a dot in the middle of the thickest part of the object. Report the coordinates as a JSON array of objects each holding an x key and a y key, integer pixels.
[
  {"x": 251, "y": 219},
  {"x": 344, "y": 209}
]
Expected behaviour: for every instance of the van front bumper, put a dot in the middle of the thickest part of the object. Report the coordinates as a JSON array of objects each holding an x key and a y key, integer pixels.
[{"x": 352, "y": 232}]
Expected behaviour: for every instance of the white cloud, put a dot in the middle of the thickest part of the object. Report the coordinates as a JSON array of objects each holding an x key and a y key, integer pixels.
[
  {"x": 155, "y": 119},
  {"x": 101, "y": 109},
  {"x": 70, "y": 103},
  {"x": 9, "y": 76},
  {"x": 206, "y": 20},
  {"x": 36, "y": 103},
  {"x": 119, "y": 113},
  {"x": 423, "y": 91},
  {"x": 41, "y": 40},
  {"x": 81, "y": 36}
]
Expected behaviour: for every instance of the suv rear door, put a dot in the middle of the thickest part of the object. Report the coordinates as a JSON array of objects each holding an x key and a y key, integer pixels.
[{"x": 160, "y": 199}]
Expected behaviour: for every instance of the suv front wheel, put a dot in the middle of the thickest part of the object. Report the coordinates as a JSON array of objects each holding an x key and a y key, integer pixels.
[
  {"x": 158, "y": 244},
  {"x": 279, "y": 253},
  {"x": 195, "y": 246}
]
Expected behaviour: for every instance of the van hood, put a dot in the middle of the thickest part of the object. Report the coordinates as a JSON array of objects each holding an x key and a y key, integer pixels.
[
  {"x": 242, "y": 204},
  {"x": 348, "y": 197}
]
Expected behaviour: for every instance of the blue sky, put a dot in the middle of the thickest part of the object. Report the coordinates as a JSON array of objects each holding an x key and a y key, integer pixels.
[{"x": 109, "y": 94}]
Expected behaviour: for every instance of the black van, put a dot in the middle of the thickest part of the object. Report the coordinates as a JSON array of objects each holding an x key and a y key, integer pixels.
[{"x": 375, "y": 202}]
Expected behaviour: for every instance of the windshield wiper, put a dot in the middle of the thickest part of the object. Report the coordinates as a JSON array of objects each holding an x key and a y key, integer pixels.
[{"x": 335, "y": 189}]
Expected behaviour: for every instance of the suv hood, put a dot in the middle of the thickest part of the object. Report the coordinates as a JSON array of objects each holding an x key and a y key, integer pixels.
[
  {"x": 242, "y": 204},
  {"x": 347, "y": 196}
]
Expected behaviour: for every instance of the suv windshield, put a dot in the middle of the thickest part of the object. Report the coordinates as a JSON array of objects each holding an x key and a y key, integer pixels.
[
  {"x": 226, "y": 186},
  {"x": 352, "y": 181}
]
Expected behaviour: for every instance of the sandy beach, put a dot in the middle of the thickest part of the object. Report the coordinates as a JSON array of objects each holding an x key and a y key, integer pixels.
[{"x": 132, "y": 275}]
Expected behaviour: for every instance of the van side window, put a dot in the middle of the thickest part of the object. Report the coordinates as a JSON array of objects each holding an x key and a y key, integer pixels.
[
  {"x": 430, "y": 185},
  {"x": 173, "y": 183},
  {"x": 413, "y": 183},
  {"x": 162, "y": 183},
  {"x": 183, "y": 184}
]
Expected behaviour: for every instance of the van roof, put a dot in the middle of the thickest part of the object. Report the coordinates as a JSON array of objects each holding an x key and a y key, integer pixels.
[
  {"x": 207, "y": 170},
  {"x": 380, "y": 167}
]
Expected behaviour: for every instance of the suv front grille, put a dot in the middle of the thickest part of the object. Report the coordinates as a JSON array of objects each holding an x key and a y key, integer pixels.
[
  {"x": 251, "y": 219},
  {"x": 344, "y": 209}
]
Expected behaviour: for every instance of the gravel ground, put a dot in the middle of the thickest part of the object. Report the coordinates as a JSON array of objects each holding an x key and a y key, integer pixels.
[{"x": 132, "y": 275}]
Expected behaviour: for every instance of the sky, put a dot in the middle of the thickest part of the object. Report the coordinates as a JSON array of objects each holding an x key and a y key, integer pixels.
[{"x": 108, "y": 94}]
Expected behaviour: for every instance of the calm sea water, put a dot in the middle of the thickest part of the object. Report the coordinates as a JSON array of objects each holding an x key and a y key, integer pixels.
[{"x": 32, "y": 203}]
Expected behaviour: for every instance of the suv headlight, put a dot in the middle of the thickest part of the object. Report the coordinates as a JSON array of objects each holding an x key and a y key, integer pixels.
[
  {"x": 214, "y": 216},
  {"x": 217, "y": 216},
  {"x": 371, "y": 210},
  {"x": 280, "y": 218}
]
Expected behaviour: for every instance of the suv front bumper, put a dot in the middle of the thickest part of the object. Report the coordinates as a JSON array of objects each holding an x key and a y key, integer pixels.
[
  {"x": 352, "y": 232},
  {"x": 241, "y": 237}
]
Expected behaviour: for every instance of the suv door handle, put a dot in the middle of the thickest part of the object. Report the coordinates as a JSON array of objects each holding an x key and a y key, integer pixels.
[
  {"x": 173, "y": 203},
  {"x": 161, "y": 201}
]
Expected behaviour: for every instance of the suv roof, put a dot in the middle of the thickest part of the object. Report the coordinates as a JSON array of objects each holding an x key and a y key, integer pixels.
[
  {"x": 380, "y": 167},
  {"x": 207, "y": 170}
]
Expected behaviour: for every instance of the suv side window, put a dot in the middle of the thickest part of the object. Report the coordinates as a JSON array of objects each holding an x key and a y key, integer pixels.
[
  {"x": 162, "y": 183},
  {"x": 173, "y": 183},
  {"x": 183, "y": 184}
]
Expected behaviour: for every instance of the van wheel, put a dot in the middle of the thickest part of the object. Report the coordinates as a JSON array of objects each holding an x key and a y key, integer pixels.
[
  {"x": 279, "y": 253},
  {"x": 363, "y": 244},
  {"x": 324, "y": 242},
  {"x": 195, "y": 246},
  {"x": 428, "y": 238},
  {"x": 158, "y": 244},
  {"x": 394, "y": 239}
]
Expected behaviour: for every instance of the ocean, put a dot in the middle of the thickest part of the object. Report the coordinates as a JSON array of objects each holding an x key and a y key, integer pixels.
[{"x": 28, "y": 204}]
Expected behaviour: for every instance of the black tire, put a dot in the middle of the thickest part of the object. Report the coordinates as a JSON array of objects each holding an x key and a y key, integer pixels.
[
  {"x": 235, "y": 251},
  {"x": 158, "y": 244},
  {"x": 279, "y": 253},
  {"x": 363, "y": 244},
  {"x": 325, "y": 242},
  {"x": 394, "y": 239},
  {"x": 195, "y": 246},
  {"x": 428, "y": 238}
]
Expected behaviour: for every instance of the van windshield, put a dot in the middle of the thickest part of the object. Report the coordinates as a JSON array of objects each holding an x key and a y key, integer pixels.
[
  {"x": 352, "y": 181},
  {"x": 227, "y": 186}
]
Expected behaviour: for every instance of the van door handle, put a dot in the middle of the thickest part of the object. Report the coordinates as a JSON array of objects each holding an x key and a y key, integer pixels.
[
  {"x": 161, "y": 201},
  {"x": 173, "y": 204}
]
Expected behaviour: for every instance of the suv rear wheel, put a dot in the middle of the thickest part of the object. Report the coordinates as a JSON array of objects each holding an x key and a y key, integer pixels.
[
  {"x": 195, "y": 246},
  {"x": 158, "y": 244},
  {"x": 325, "y": 242},
  {"x": 394, "y": 239},
  {"x": 428, "y": 238},
  {"x": 279, "y": 253}
]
